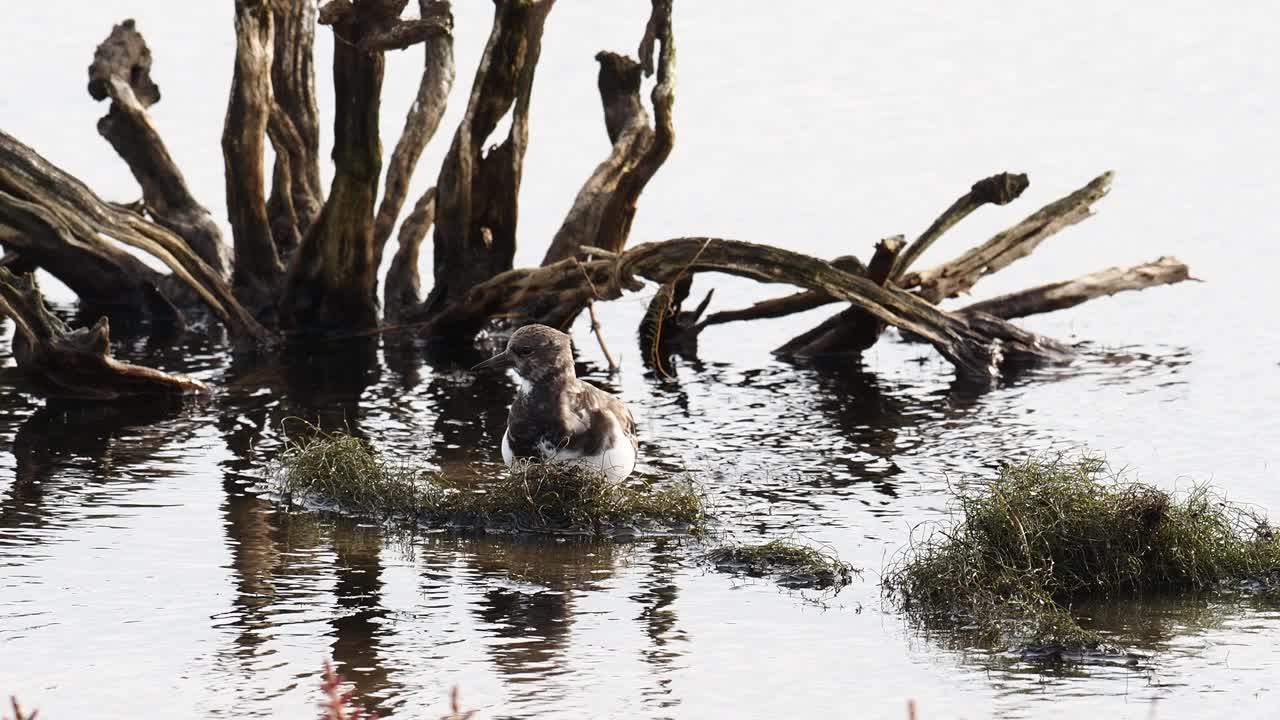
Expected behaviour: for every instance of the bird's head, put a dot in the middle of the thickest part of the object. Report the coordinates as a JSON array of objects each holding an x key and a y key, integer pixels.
[{"x": 535, "y": 352}]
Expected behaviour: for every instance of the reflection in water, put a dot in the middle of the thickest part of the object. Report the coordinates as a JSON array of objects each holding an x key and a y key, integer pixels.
[
  {"x": 87, "y": 436},
  {"x": 788, "y": 445}
]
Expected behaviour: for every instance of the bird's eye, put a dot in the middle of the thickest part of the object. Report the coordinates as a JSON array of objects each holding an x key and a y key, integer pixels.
[{"x": 524, "y": 351}]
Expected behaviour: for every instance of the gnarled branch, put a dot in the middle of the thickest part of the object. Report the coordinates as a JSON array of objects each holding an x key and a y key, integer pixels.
[
  {"x": 1062, "y": 295},
  {"x": 959, "y": 275},
  {"x": 121, "y": 70},
  {"x": 31, "y": 178},
  {"x": 422, "y": 120},
  {"x": 605, "y": 207},
  {"x": 294, "y": 125},
  {"x": 477, "y": 206},
  {"x": 76, "y": 363},
  {"x": 258, "y": 269}
]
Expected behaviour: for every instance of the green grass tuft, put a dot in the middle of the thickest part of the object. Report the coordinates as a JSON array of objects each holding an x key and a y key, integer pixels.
[
  {"x": 794, "y": 565},
  {"x": 345, "y": 473},
  {"x": 1018, "y": 550}
]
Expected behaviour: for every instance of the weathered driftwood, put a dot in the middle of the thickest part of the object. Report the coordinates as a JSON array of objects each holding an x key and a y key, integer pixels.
[
  {"x": 1061, "y": 295},
  {"x": 32, "y": 179},
  {"x": 959, "y": 275},
  {"x": 294, "y": 125},
  {"x": 315, "y": 259},
  {"x": 76, "y": 363},
  {"x": 332, "y": 278},
  {"x": 402, "y": 289},
  {"x": 421, "y": 122},
  {"x": 999, "y": 189},
  {"x": 605, "y": 207},
  {"x": 258, "y": 269},
  {"x": 100, "y": 273},
  {"x": 476, "y": 206},
  {"x": 976, "y": 353},
  {"x": 852, "y": 329},
  {"x": 121, "y": 71}
]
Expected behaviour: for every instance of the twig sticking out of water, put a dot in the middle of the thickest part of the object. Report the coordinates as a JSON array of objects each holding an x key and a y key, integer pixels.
[
  {"x": 17, "y": 711},
  {"x": 339, "y": 704}
]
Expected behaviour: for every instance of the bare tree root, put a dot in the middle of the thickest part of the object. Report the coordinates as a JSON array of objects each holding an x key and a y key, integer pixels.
[
  {"x": 477, "y": 205},
  {"x": 76, "y": 363}
]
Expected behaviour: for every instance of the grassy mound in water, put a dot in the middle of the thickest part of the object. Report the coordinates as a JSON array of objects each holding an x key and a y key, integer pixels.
[
  {"x": 345, "y": 473},
  {"x": 793, "y": 564},
  {"x": 1018, "y": 550}
]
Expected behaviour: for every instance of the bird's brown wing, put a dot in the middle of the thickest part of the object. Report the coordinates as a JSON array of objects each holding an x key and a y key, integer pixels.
[{"x": 597, "y": 408}]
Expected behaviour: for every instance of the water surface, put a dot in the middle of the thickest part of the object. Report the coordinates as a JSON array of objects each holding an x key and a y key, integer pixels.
[{"x": 138, "y": 569}]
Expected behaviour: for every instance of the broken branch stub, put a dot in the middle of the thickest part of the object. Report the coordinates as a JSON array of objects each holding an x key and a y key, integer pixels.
[
  {"x": 605, "y": 207},
  {"x": 999, "y": 189},
  {"x": 121, "y": 71},
  {"x": 76, "y": 363},
  {"x": 477, "y": 204},
  {"x": 852, "y": 330}
]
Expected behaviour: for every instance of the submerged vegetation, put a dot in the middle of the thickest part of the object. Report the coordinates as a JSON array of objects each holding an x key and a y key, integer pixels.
[
  {"x": 344, "y": 473},
  {"x": 790, "y": 563},
  {"x": 1020, "y": 549}
]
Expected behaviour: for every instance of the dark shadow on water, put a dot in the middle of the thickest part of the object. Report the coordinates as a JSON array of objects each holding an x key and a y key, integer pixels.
[{"x": 85, "y": 437}]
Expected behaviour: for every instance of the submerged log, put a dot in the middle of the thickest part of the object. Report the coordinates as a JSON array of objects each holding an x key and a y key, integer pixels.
[
  {"x": 76, "y": 363},
  {"x": 477, "y": 205},
  {"x": 332, "y": 278},
  {"x": 121, "y": 71}
]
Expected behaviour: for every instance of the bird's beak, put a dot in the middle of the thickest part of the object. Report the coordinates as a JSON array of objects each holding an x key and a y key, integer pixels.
[{"x": 501, "y": 360}]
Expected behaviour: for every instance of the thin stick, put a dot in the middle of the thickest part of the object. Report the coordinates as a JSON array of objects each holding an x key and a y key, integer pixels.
[{"x": 595, "y": 328}]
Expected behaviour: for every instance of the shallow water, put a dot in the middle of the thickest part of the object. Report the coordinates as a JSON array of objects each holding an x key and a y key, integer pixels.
[{"x": 138, "y": 569}]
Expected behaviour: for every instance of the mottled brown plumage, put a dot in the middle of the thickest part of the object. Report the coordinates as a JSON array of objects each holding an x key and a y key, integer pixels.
[{"x": 556, "y": 416}]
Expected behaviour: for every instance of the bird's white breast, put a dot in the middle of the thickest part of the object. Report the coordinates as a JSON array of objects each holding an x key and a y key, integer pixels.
[{"x": 616, "y": 460}]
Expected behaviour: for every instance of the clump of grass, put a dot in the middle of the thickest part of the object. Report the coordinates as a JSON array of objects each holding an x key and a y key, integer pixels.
[
  {"x": 1019, "y": 549},
  {"x": 793, "y": 564},
  {"x": 346, "y": 474}
]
